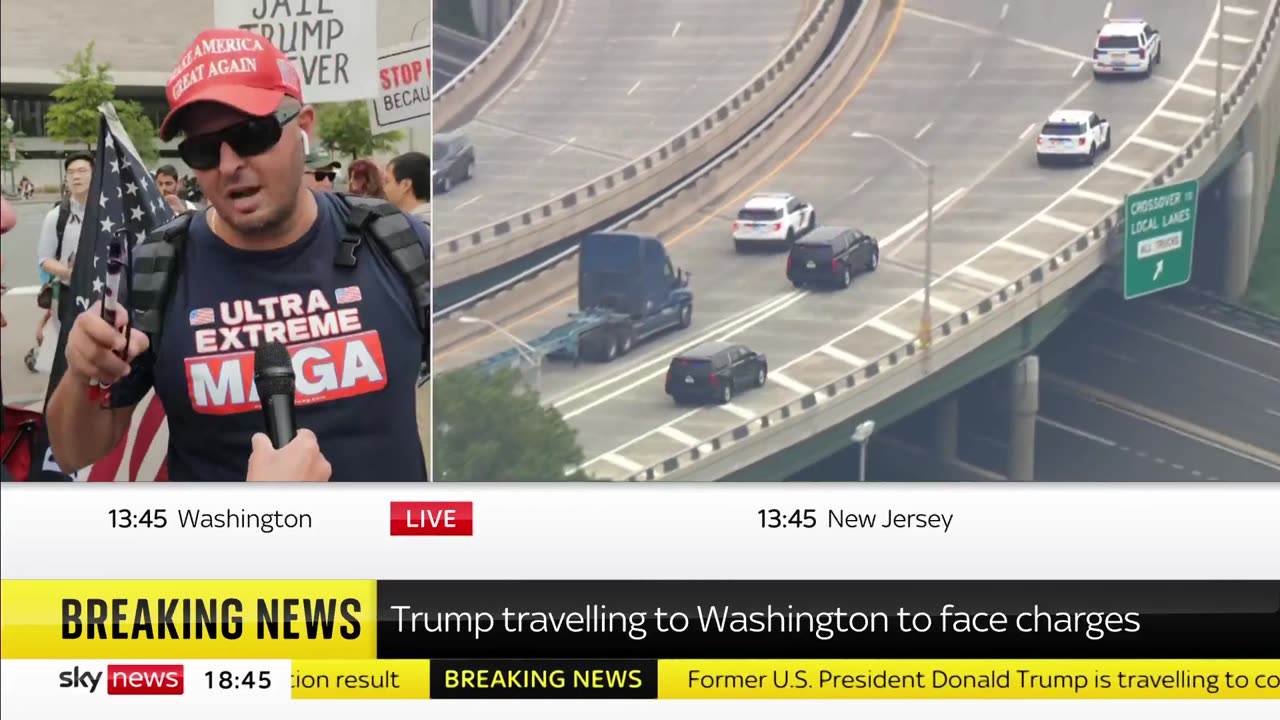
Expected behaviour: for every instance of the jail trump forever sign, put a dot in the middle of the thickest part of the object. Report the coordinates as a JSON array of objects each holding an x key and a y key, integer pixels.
[{"x": 332, "y": 43}]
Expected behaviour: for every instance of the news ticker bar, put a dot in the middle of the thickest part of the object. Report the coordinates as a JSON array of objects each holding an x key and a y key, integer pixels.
[
  {"x": 647, "y": 679},
  {"x": 411, "y": 620}
]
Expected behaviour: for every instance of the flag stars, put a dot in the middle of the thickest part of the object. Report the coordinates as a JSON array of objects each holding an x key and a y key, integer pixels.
[
  {"x": 107, "y": 225},
  {"x": 115, "y": 166},
  {"x": 97, "y": 285},
  {"x": 131, "y": 188},
  {"x": 137, "y": 213}
]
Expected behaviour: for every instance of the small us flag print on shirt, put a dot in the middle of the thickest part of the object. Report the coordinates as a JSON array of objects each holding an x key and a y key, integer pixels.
[
  {"x": 201, "y": 316},
  {"x": 347, "y": 295}
]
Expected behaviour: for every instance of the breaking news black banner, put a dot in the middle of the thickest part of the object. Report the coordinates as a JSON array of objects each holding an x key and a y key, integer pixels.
[{"x": 489, "y": 619}]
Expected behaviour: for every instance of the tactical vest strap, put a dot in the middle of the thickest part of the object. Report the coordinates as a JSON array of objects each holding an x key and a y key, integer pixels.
[{"x": 157, "y": 264}]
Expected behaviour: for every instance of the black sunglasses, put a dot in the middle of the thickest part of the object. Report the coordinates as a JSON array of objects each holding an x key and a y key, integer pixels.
[
  {"x": 323, "y": 175},
  {"x": 248, "y": 138}
]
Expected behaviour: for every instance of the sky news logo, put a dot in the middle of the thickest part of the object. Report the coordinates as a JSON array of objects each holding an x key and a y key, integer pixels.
[{"x": 125, "y": 679}]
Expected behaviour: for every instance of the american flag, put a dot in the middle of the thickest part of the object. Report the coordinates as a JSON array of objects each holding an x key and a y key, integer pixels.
[
  {"x": 347, "y": 294},
  {"x": 201, "y": 316},
  {"x": 124, "y": 205}
]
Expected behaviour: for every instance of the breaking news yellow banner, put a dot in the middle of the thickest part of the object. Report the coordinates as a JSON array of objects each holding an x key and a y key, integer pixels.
[{"x": 188, "y": 619}]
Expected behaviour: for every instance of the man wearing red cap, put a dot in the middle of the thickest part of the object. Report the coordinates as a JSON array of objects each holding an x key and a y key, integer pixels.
[{"x": 269, "y": 261}]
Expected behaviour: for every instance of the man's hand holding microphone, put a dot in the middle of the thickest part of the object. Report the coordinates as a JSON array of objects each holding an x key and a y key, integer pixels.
[{"x": 284, "y": 452}]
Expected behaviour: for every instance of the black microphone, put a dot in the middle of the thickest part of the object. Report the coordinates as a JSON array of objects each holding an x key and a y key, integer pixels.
[{"x": 273, "y": 376}]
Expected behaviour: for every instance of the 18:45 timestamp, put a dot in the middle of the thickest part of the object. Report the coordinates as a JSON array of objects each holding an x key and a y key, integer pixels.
[
  {"x": 227, "y": 680},
  {"x": 773, "y": 518}
]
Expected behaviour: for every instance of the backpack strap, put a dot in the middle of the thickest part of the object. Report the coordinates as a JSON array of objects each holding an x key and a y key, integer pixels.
[
  {"x": 157, "y": 262},
  {"x": 391, "y": 234},
  {"x": 64, "y": 215}
]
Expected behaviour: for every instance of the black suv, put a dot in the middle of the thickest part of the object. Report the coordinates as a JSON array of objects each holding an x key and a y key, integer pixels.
[
  {"x": 453, "y": 160},
  {"x": 715, "y": 371},
  {"x": 832, "y": 255}
]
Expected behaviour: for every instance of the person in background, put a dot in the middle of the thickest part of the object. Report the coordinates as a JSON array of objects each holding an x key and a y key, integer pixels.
[
  {"x": 169, "y": 184},
  {"x": 409, "y": 184},
  {"x": 56, "y": 249},
  {"x": 366, "y": 180},
  {"x": 320, "y": 173}
]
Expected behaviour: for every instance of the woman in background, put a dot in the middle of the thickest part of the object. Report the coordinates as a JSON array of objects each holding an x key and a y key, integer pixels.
[{"x": 366, "y": 180}]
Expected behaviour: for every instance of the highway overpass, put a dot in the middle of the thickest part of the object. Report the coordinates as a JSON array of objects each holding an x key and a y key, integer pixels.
[{"x": 1015, "y": 247}]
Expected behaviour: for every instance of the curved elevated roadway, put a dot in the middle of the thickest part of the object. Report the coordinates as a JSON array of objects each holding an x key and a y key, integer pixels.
[
  {"x": 964, "y": 85},
  {"x": 613, "y": 80}
]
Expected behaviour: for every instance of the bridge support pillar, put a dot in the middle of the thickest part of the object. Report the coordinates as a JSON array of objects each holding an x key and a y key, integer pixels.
[
  {"x": 946, "y": 432},
  {"x": 1238, "y": 246},
  {"x": 1024, "y": 406}
]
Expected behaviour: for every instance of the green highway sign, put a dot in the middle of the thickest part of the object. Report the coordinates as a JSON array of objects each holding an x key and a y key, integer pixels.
[{"x": 1159, "y": 238}]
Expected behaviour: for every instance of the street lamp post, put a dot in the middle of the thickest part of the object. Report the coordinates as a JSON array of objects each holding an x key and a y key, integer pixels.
[
  {"x": 862, "y": 435},
  {"x": 533, "y": 357},
  {"x": 925, "y": 168}
]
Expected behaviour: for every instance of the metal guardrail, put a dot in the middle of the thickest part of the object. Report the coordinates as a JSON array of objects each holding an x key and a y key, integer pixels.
[
  {"x": 1066, "y": 261},
  {"x": 489, "y": 67},
  {"x": 853, "y": 40},
  {"x": 577, "y": 210}
]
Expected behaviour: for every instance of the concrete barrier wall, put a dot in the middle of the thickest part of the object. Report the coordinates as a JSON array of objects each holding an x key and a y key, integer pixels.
[
  {"x": 606, "y": 197},
  {"x": 1251, "y": 99},
  {"x": 474, "y": 84}
]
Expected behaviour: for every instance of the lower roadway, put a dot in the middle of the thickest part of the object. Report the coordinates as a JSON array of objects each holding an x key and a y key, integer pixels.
[{"x": 1156, "y": 389}]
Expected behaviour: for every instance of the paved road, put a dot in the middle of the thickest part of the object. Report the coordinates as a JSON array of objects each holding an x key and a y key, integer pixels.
[
  {"x": 452, "y": 54},
  {"x": 613, "y": 81},
  {"x": 960, "y": 85},
  {"x": 1148, "y": 390}
]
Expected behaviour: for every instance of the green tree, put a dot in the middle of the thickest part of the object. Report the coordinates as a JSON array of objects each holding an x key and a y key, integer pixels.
[
  {"x": 345, "y": 129},
  {"x": 489, "y": 428},
  {"x": 73, "y": 118},
  {"x": 5, "y": 136}
]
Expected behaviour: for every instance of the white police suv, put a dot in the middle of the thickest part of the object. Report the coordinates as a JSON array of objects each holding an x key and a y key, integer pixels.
[
  {"x": 772, "y": 220},
  {"x": 1127, "y": 47},
  {"x": 1075, "y": 135}
]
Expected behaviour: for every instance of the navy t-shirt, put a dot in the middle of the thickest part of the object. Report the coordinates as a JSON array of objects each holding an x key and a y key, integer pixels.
[{"x": 352, "y": 333}]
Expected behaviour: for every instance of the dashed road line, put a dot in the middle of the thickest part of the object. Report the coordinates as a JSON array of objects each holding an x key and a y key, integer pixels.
[
  {"x": 937, "y": 302},
  {"x": 984, "y": 276},
  {"x": 1096, "y": 197},
  {"x": 1156, "y": 144},
  {"x": 738, "y": 410},
  {"x": 1126, "y": 169},
  {"x": 1181, "y": 117},
  {"x": 679, "y": 436},
  {"x": 890, "y": 329},
  {"x": 790, "y": 383},
  {"x": 842, "y": 356},
  {"x": 1058, "y": 222},
  {"x": 623, "y": 462},
  {"x": 1021, "y": 249}
]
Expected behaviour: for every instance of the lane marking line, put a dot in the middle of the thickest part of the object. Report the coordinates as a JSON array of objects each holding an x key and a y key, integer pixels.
[
  {"x": 1236, "y": 10},
  {"x": 1058, "y": 222},
  {"x": 1233, "y": 39},
  {"x": 1021, "y": 249},
  {"x": 890, "y": 329},
  {"x": 1156, "y": 144},
  {"x": 738, "y": 410},
  {"x": 920, "y": 133},
  {"x": 844, "y": 357},
  {"x": 1123, "y": 169},
  {"x": 679, "y": 436},
  {"x": 1206, "y": 62},
  {"x": 623, "y": 462},
  {"x": 937, "y": 302},
  {"x": 1077, "y": 432},
  {"x": 635, "y": 87},
  {"x": 1181, "y": 117},
  {"x": 1097, "y": 197},
  {"x": 789, "y": 383},
  {"x": 977, "y": 274},
  {"x": 1223, "y": 326},
  {"x": 676, "y": 30},
  {"x": 1184, "y": 346},
  {"x": 974, "y": 71}
]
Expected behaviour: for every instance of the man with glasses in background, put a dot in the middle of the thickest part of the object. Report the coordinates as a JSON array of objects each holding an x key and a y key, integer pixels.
[
  {"x": 320, "y": 173},
  {"x": 268, "y": 261}
]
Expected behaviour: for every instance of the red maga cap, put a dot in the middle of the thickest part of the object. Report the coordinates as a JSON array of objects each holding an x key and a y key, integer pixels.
[{"x": 233, "y": 67}]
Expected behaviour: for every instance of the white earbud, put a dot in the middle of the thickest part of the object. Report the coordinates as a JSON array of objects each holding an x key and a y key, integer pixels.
[{"x": 306, "y": 144}]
